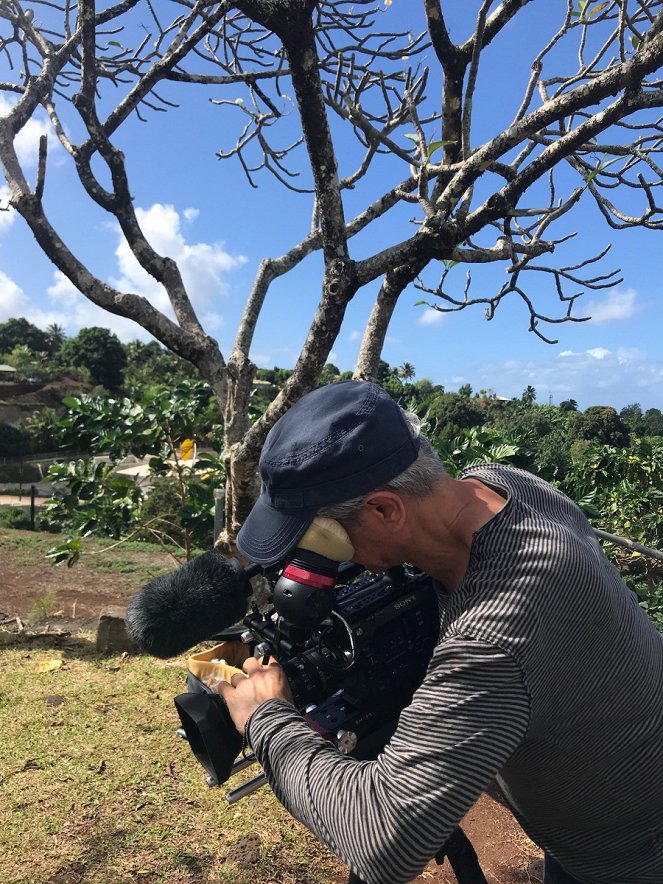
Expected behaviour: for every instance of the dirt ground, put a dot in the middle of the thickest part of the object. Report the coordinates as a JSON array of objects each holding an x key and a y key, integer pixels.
[{"x": 77, "y": 595}]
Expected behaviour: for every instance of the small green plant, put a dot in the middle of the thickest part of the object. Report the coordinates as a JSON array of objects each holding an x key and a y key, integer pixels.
[{"x": 43, "y": 606}]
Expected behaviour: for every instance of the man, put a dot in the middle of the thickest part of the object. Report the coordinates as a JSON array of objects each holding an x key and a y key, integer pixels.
[{"x": 548, "y": 674}]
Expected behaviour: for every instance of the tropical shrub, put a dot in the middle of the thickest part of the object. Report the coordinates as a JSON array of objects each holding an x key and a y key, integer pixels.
[
  {"x": 92, "y": 498},
  {"x": 478, "y": 445},
  {"x": 89, "y": 498},
  {"x": 14, "y": 517},
  {"x": 621, "y": 490}
]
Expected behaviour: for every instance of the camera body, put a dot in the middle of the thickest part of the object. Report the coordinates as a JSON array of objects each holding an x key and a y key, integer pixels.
[{"x": 350, "y": 675}]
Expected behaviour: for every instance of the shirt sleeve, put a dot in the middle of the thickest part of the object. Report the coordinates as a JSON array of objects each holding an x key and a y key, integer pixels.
[{"x": 388, "y": 817}]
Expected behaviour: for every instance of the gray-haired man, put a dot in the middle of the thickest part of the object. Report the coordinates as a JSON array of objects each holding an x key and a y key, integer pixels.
[{"x": 548, "y": 675}]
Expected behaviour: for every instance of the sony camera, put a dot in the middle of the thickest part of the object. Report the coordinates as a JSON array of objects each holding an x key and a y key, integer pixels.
[{"x": 354, "y": 647}]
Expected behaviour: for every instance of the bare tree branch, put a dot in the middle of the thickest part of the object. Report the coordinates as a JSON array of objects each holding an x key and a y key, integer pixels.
[{"x": 294, "y": 83}]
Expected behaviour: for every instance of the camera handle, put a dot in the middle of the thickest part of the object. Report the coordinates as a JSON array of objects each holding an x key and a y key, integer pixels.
[{"x": 462, "y": 858}]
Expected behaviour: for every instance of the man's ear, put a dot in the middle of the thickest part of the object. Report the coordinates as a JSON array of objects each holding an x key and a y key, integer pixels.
[{"x": 387, "y": 508}]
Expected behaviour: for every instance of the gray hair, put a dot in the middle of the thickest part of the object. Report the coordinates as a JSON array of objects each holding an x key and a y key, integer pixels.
[{"x": 417, "y": 480}]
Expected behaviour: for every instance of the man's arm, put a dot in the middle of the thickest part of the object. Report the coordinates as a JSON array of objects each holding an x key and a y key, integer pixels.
[{"x": 387, "y": 818}]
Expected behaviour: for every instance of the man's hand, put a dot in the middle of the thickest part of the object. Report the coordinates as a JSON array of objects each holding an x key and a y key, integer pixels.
[{"x": 244, "y": 695}]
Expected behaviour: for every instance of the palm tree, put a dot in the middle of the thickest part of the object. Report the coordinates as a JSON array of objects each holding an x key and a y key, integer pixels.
[
  {"x": 406, "y": 371},
  {"x": 529, "y": 395},
  {"x": 56, "y": 337}
]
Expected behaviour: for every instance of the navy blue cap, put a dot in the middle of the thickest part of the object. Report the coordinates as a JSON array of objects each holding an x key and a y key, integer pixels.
[{"x": 338, "y": 442}]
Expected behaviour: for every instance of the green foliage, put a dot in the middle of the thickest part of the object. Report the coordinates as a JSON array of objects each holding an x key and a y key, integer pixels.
[
  {"x": 41, "y": 430},
  {"x": 194, "y": 486},
  {"x": 20, "y": 332},
  {"x": 529, "y": 395},
  {"x": 151, "y": 365},
  {"x": 161, "y": 510},
  {"x": 56, "y": 338},
  {"x": 33, "y": 365},
  {"x": 94, "y": 499},
  {"x": 639, "y": 423},
  {"x": 653, "y": 421},
  {"x": 587, "y": 453},
  {"x": 100, "y": 352},
  {"x": 475, "y": 446},
  {"x": 91, "y": 499},
  {"x": 171, "y": 511},
  {"x": 632, "y": 417},
  {"x": 543, "y": 430},
  {"x": 424, "y": 389},
  {"x": 385, "y": 372},
  {"x": 14, "y": 517},
  {"x": 406, "y": 371},
  {"x": 652, "y": 602},
  {"x": 329, "y": 374},
  {"x": 43, "y": 606},
  {"x": 622, "y": 491},
  {"x": 276, "y": 376},
  {"x": 454, "y": 412},
  {"x": 601, "y": 424},
  {"x": 151, "y": 423},
  {"x": 14, "y": 440}
]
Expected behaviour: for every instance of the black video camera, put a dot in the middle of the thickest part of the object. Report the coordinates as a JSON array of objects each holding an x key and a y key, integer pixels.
[{"x": 354, "y": 647}]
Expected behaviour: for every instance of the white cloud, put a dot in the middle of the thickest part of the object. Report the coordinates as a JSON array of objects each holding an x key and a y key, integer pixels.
[
  {"x": 597, "y": 376},
  {"x": 12, "y": 298},
  {"x": 203, "y": 265},
  {"x": 74, "y": 311},
  {"x": 432, "y": 317},
  {"x": 7, "y": 215},
  {"x": 70, "y": 309},
  {"x": 27, "y": 140},
  {"x": 355, "y": 335},
  {"x": 614, "y": 307},
  {"x": 191, "y": 215}
]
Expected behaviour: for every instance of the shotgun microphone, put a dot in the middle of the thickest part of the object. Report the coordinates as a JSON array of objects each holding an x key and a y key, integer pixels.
[{"x": 176, "y": 611}]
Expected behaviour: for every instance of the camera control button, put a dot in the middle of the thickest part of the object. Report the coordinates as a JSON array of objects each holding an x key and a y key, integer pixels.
[{"x": 346, "y": 741}]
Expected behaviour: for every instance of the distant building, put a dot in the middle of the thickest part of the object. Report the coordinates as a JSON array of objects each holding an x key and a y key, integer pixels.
[{"x": 7, "y": 374}]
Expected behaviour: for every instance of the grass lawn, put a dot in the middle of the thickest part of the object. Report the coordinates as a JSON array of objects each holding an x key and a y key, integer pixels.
[{"x": 95, "y": 785}]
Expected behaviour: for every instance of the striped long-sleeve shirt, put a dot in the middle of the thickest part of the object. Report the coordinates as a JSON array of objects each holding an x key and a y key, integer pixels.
[{"x": 548, "y": 675}]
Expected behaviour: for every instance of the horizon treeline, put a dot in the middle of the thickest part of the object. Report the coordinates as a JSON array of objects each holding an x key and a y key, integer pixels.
[{"x": 95, "y": 362}]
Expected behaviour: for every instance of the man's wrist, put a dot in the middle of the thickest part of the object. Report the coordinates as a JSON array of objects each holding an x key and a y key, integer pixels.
[{"x": 269, "y": 706}]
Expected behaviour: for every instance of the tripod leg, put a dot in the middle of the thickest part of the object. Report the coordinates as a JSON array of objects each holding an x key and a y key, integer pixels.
[{"x": 462, "y": 858}]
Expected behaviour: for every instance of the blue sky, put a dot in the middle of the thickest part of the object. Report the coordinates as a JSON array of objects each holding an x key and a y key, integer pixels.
[{"x": 203, "y": 212}]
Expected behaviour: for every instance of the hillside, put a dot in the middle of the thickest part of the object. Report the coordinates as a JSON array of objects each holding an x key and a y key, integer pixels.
[{"x": 19, "y": 401}]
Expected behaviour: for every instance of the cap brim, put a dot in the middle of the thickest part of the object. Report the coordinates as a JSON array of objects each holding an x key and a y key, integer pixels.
[{"x": 269, "y": 534}]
